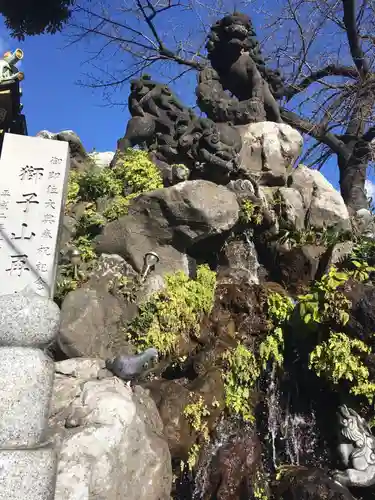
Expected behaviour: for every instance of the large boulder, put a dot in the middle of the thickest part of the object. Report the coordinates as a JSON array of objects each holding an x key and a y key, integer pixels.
[
  {"x": 79, "y": 158},
  {"x": 91, "y": 321},
  {"x": 323, "y": 202},
  {"x": 170, "y": 221},
  {"x": 269, "y": 151},
  {"x": 93, "y": 316},
  {"x": 102, "y": 159},
  {"x": 109, "y": 438}
]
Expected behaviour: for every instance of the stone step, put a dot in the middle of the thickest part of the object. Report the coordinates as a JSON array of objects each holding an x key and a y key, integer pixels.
[
  {"x": 28, "y": 474},
  {"x": 25, "y": 394}
]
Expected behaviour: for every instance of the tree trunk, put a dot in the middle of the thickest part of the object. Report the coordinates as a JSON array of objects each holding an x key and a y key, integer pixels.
[{"x": 353, "y": 169}]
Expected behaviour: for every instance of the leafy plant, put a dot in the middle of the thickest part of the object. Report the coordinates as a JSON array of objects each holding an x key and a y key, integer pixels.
[
  {"x": 99, "y": 182},
  {"x": 311, "y": 236},
  {"x": 364, "y": 250},
  {"x": 85, "y": 247},
  {"x": 118, "y": 207},
  {"x": 90, "y": 222},
  {"x": 240, "y": 373},
  {"x": 64, "y": 285},
  {"x": 73, "y": 188},
  {"x": 325, "y": 303},
  {"x": 251, "y": 213},
  {"x": 362, "y": 270},
  {"x": 137, "y": 171},
  {"x": 338, "y": 359},
  {"x": 279, "y": 310},
  {"x": 195, "y": 413},
  {"x": 174, "y": 312},
  {"x": 259, "y": 489}
]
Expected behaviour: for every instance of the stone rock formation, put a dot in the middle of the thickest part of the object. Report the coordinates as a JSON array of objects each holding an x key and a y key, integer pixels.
[
  {"x": 109, "y": 438},
  {"x": 254, "y": 360}
]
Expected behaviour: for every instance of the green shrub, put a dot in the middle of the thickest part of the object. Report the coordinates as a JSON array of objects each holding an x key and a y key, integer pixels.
[
  {"x": 73, "y": 188},
  {"x": 240, "y": 374},
  {"x": 85, "y": 247},
  {"x": 250, "y": 213},
  {"x": 90, "y": 223},
  {"x": 339, "y": 359},
  {"x": 279, "y": 311},
  {"x": 137, "y": 171},
  {"x": 99, "y": 182},
  {"x": 174, "y": 312},
  {"x": 118, "y": 207}
]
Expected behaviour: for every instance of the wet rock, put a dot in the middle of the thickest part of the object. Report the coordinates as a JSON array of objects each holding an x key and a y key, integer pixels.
[
  {"x": 361, "y": 323},
  {"x": 172, "y": 397},
  {"x": 269, "y": 151},
  {"x": 108, "y": 437},
  {"x": 302, "y": 483},
  {"x": 238, "y": 261},
  {"x": 235, "y": 471},
  {"x": 295, "y": 268},
  {"x": 238, "y": 311}
]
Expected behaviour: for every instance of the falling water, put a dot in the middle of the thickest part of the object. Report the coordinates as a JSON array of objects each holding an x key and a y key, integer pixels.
[
  {"x": 292, "y": 435},
  {"x": 252, "y": 258},
  {"x": 273, "y": 404},
  {"x": 300, "y": 437}
]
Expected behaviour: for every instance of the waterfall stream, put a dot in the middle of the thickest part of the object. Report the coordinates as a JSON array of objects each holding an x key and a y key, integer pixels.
[{"x": 292, "y": 435}]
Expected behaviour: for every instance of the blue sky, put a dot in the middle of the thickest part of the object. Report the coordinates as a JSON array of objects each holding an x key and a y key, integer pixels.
[{"x": 53, "y": 100}]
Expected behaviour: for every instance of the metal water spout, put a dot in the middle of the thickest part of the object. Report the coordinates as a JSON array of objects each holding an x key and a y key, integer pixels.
[{"x": 149, "y": 261}]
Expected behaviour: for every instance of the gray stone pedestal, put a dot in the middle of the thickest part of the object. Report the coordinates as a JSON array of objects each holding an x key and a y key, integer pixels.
[
  {"x": 28, "y": 474},
  {"x": 28, "y": 322}
]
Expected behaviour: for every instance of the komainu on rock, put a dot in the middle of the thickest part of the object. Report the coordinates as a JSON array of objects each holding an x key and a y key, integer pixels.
[{"x": 356, "y": 449}]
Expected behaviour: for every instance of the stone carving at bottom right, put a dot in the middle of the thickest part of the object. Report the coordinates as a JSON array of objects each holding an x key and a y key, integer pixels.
[{"x": 356, "y": 448}]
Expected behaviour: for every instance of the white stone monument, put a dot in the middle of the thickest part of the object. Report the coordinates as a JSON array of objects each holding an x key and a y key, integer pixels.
[
  {"x": 34, "y": 177},
  {"x": 34, "y": 174}
]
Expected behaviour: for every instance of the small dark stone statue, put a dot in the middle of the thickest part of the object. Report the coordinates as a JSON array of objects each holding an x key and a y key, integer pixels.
[
  {"x": 356, "y": 449},
  {"x": 154, "y": 110},
  {"x": 175, "y": 134},
  {"x": 212, "y": 145},
  {"x": 238, "y": 67},
  {"x": 129, "y": 368}
]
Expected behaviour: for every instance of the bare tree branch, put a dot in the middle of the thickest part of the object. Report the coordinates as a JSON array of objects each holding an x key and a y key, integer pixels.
[
  {"x": 354, "y": 40},
  {"x": 315, "y": 131},
  {"x": 330, "y": 70}
]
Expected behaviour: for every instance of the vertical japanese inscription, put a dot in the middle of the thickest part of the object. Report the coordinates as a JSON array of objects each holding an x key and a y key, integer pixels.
[
  {"x": 31, "y": 197},
  {"x": 19, "y": 262}
]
